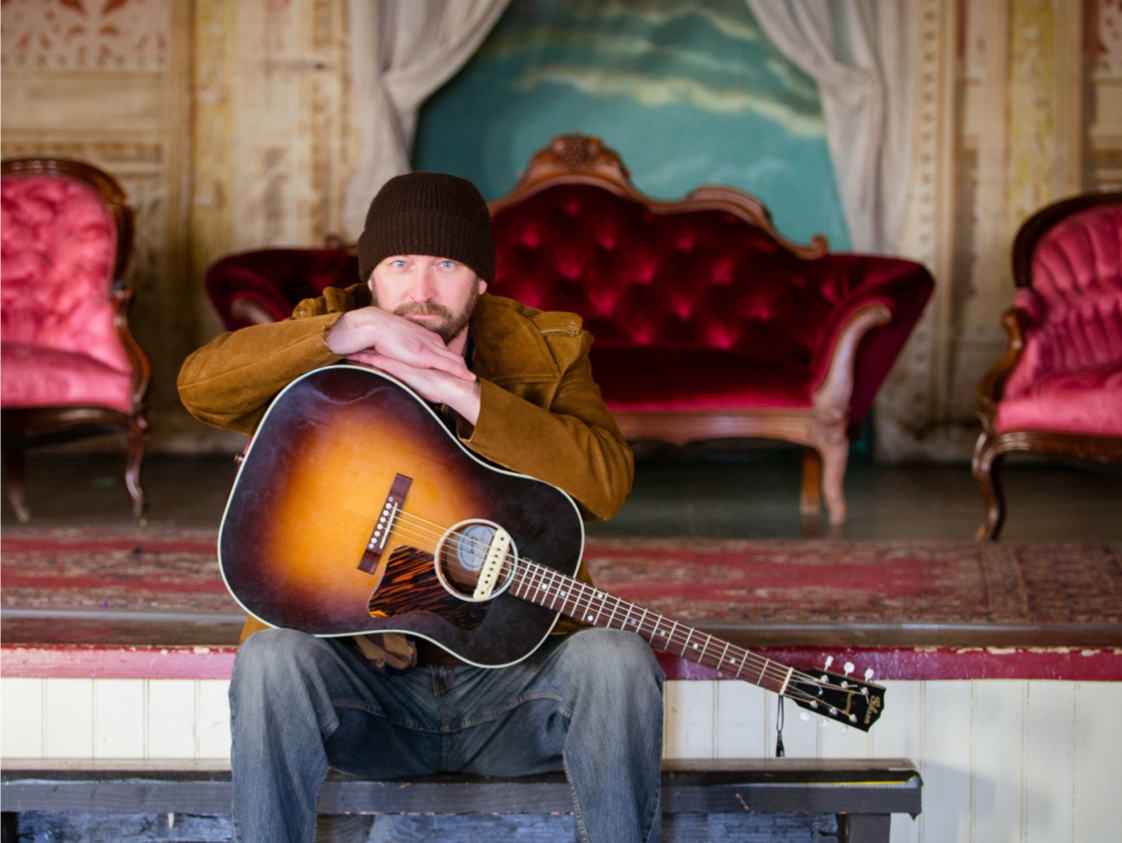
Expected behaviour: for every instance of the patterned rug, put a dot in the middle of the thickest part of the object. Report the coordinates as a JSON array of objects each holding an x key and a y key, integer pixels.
[{"x": 726, "y": 583}]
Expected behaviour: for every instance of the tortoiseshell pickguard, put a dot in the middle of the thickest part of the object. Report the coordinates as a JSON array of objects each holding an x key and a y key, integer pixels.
[{"x": 410, "y": 585}]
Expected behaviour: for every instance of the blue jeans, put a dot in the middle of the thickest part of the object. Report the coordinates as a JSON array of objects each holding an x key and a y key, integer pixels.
[{"x": 590, "y": 702}]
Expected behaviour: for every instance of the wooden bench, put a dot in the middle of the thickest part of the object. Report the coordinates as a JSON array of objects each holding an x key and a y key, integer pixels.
[{"x": 862, "y": 794}]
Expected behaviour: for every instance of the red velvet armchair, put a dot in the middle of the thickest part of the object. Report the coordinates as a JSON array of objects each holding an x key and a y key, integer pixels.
[
  {"x": 1058, "y": 389},
  {"x": 69, "y": 364},
  {"x": 708, "y": 323}
]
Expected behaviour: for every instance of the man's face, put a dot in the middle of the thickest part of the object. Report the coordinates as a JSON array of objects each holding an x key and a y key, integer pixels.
[{"x": 437, "y": 293}]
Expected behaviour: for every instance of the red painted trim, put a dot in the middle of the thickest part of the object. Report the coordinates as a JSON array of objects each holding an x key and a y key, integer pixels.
[
  {"x": 935, "y": 663},
  {"x": 913, "y": 663}
]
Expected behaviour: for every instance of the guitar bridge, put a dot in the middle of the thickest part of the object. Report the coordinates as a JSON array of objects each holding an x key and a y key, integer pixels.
[{"x": 372, "y": 554}]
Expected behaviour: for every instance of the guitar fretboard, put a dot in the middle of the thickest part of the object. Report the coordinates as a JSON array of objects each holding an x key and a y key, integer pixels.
[{"x": 558, "y": 592}]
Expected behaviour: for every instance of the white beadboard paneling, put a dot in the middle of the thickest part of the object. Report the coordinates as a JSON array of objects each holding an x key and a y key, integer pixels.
[
  {"x": 999, "y": 748},
  {"x": 1049, "y": 758},
  {"x": 172, "y": 712},
  {"x": 897, "y": 735},
  {"x": 947, "y": 742},
  {"x": 119, "y": 718},
  {"x": 1098, "y": 752},
  {"x": 688, "y": 729},
  {"x": 214, "y": 718},
  {"x": 68, "y": 718},
  {"x": 740, "y": 720},
  {"x": 802, "y": 729},
  {"x": 21, "y": 723}
]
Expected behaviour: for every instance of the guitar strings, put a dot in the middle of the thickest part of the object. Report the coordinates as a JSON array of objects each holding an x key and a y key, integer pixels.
[{"x": 588, "y": 596}]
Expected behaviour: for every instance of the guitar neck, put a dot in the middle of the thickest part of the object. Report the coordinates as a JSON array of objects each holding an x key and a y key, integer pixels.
[{"x": 580, "y": 601}]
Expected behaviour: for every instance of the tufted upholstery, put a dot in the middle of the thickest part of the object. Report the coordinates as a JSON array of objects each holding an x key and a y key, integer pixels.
[
  {"x": 708, "y": 323},
  {"x": 59, "y": 345},
  {"x": 1059, "y": 388},
  {"x": 697, "y": 310},
  {"x": 67, "y": 360}
]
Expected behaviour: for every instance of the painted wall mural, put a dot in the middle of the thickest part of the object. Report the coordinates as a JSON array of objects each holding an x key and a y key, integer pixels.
[{"x": 688, "y": 93}]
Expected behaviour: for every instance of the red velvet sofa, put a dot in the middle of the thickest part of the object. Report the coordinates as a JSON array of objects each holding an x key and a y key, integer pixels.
[{"x": 708, "y": 323}]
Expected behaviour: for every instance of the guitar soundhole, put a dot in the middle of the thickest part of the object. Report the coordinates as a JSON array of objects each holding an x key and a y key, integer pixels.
[{"x": 461, "y": 558}]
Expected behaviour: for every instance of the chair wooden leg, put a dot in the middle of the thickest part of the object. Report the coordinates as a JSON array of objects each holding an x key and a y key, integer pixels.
[
  {"x": 810, "y": 498},
  {"x": 835, "y": 456},
  {"x": 137, "y": 443},
  {"x": 986, "y": 466},
  {"x": 17, "y": 482}
]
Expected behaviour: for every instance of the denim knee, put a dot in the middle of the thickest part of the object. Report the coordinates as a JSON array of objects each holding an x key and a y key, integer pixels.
[
  {"x": 620, "y": 660},
  {"x": 274, "y": 664}
]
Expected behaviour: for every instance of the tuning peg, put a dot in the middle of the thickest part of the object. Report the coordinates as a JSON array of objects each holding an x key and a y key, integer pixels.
[
  {"x": 829, "y": 661},
  {"x": 804, "y": 716},
  {"x": 868, "y": 674},
  {"x": 849, "y": 668}
]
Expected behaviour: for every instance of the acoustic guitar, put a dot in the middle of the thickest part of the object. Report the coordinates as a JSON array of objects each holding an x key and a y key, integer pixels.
[{"x": 355, "y": 511}]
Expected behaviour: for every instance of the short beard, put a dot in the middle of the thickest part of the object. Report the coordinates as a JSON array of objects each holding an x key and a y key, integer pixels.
[{"x": 453, "y": 323}]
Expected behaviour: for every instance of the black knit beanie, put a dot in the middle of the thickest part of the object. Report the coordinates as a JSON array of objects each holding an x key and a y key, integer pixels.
[{"x": 428, "y": 214}]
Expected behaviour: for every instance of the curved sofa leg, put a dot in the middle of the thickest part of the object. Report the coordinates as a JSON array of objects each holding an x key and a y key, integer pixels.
[
  {"x": 137, "y": 443},
  {"x": 835, "y": 456},
  {"x": 810, "y": 498},
  {"x": 17, "y": 482},
  {"x": 986, "y": 468}
]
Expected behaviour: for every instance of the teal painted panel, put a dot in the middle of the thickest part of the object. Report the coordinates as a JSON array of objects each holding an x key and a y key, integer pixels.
[{"x": 688, "y": 93}]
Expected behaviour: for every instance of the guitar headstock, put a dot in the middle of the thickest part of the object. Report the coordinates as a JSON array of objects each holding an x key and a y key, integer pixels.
[{"x": 842, "y": 698}]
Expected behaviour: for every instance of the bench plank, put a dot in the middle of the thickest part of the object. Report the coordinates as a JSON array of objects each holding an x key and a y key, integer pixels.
[{"x": 778, "y": 785}]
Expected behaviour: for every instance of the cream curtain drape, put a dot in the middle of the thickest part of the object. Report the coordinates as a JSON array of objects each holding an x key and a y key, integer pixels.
[
  {"x": 861, "y": 53},
  {"x": 402, "y": 51}
]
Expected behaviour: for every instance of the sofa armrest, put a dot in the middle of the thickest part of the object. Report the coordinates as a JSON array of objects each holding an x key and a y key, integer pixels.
[
  {"x": 835, "y": 388},
  {"x": 991, "y": 388},
  {"x": 859, "y": 283},
  {"x": 265, "y": 285}
]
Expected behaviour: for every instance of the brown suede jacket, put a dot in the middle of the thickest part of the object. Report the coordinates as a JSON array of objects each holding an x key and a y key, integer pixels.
[{"x": 541, "y": 412}]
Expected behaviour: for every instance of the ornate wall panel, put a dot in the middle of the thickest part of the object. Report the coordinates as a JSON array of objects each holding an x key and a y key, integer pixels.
[
  {"x": 273, "y": 128},
  {"x": 1004, "y": 130}
]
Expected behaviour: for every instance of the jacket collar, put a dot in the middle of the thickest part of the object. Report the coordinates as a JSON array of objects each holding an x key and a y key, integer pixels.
[{"x": 508, "y": 346}]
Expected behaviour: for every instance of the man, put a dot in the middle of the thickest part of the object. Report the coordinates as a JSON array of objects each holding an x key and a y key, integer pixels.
[{"x": 516, "y": 388}]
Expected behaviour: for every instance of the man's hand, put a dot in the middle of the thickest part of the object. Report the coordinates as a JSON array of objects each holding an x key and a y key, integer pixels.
[
  {"x": 434, "y": 386},
  {"x": 371, "y": 329},
  {"x": 409, "y": 352}
]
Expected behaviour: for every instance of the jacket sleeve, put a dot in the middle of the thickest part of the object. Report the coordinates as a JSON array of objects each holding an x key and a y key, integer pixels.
[{"x": 571, "y": 442}]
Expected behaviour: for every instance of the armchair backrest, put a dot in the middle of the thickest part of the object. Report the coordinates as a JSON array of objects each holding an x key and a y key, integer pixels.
[
  {"x": 1067, "y": 264},
  {"x": 576, "y": 235},
  {"x": 66, "y": 238}
]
